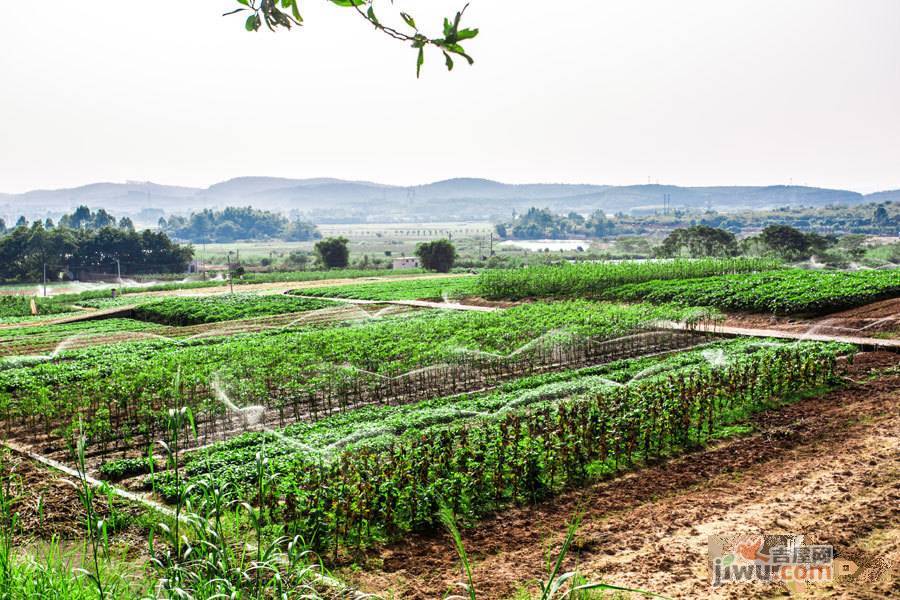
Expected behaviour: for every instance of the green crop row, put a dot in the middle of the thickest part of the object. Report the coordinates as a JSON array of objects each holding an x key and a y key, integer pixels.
[
  {"x": 413, "y": 289},
  {"x": 590, "y": 279},
  {"x": 122, "y": 391},
  {"x": 380, "y": 473},
  {"x": 784, "y": 292},
  {"x": 20, "y": 340},
  {"x": 20, "y": 306},
  {"x": 195, "y": 310}
]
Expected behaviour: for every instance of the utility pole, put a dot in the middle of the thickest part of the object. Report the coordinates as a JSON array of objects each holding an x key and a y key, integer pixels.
[
  {"x": 45, "y": 279},
  {"x": 230, "y": 278},
  {"x": 492, "y": 244},
  {"x": 118, "y": 271}
]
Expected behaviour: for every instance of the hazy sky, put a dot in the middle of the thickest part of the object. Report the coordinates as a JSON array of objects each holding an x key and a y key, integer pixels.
[{"x": 686, "y": 92}]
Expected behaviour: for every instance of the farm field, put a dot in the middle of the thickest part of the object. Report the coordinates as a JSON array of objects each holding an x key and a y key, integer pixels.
[
  {"x": 778, "y": 292},
  {"x": 414, "y": 289},
  {"x": 354, "y": 430}
]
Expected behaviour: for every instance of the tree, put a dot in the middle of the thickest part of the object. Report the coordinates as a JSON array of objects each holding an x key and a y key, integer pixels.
[
  {"x": 83, "y": 218},
  {"x": 698, "y": 241},
  {"x": 237, "y": 223},
  {"x": 598, "y": 225},
  {"x": 438, "y": 255},
  {"x": 300, "y": 231},
  {"x": 297, "y": 259},
  {"x": 287, "y": 15},
  {"x": 881, "y": 216},
  {"x": 786, "y": 241},
  {"x": 22, "y": 222},
  {"x": 333, "y": 252}
]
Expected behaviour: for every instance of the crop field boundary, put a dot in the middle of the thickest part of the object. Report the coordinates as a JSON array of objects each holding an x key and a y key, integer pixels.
[
  {"x": 96, "y": 483},
  {"x": 866, "y": 343},
  {"x": 412, "y": 303},
  {"x": 471, "y": 374}
]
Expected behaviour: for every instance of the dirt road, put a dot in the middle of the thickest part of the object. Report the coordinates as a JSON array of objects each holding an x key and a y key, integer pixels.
[{"x": 826, "y": 467}]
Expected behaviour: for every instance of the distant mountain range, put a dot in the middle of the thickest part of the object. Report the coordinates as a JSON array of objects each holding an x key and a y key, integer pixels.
[{"x": 325, "y": 200}]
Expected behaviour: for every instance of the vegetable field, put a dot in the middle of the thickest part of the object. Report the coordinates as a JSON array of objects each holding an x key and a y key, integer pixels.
[
  {"x": 785, "y": 292},
  {"x": 332, "y": 428},
  {"x": 593, "y": 279},
  {"x": 415, "y": 289},
  {"x": 212, "y": 309},
  {"x": 124, "y": 392},
  {"x": 481, "y": 453}
]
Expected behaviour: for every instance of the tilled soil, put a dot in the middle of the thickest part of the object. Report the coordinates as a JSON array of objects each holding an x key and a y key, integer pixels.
[
  {"x": 876, "y": 319},
  {"x": 827, "y": 467},
  {"x": 48, "y": 504}
]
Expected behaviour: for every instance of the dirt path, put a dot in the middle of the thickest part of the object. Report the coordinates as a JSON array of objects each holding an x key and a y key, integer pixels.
[
  {"x": 877, "y": 319},
  {"x": 810, "y": 335},
  {"x": 827, "y": 467}
]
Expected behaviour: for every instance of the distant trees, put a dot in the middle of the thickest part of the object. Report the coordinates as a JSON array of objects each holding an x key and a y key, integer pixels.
[
  {"x": 881, "y": 217},
  {"x": 299, "y": 231},
  {"x": 25, "y": 251},
  {"x": 84, "y": 218},
  {"x": 786, "y": 241},
  {"x": 540, "y": 223},
  {"x": 789, "y": 243},
  {"x": 333, "y": 252},
  {"x": 438, "y": 255},
  {"x": 237, "y": 223},
  {"x": 698, "y": 241}
]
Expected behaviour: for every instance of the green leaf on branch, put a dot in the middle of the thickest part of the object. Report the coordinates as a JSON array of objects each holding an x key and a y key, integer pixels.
[
  {"x": 420, "y": 62},
  {"x": 371, "y": 15},
  {"x": 252, "y": 23},
  {"x": 409, "y": 20}
]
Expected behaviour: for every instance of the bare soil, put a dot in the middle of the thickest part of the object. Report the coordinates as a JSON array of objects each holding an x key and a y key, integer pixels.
[
  {"x": 827, "y": 467},
  {"x": 48, "y": 504},
  {"x": 872, "y": 320}
]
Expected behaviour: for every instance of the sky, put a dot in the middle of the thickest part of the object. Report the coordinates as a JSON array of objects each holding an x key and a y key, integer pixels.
[{"x": 687, "y": 92}]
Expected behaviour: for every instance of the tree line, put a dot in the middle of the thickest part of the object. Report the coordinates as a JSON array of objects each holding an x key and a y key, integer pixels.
[
  {"x": 237, "y": 223},
  {"x": 86, "y": 242}
]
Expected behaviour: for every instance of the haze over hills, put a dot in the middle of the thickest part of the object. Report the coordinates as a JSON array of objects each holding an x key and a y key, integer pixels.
[{"x": 325, "y": 200}]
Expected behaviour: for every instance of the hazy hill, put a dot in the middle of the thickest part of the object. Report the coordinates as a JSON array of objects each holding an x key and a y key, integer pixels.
[
  {"x": 885, "y": 196},
  {"x": 337, "y": 200}
]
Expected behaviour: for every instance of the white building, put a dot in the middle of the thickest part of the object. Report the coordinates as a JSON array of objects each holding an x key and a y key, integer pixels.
[{"x": 407, "y": 262}]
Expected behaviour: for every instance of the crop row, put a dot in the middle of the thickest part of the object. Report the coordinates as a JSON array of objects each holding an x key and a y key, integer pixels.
[
  {"x": 33, "y": 339},
  {"x": 12, "y": 306},
  {"x": 196, "y": 310},
  {"x": 411, "y": 289},
  {"x": 121, "y": 394},
  {"x": 386, "y": 476},
  {"x": 782, "y": 292},
  {"x": 590, "y": 279}
]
